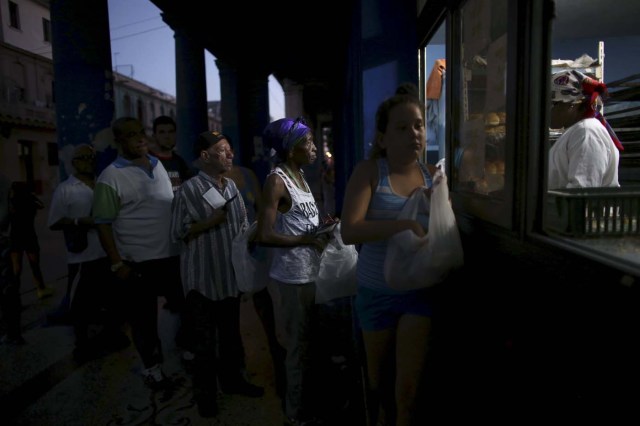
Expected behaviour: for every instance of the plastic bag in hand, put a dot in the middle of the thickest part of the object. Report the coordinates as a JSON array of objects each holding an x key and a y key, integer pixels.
[
  {"x": 414, "y": 262},
  {"x": 337, "y": 272},
  {"x": 250, "y": 261}
]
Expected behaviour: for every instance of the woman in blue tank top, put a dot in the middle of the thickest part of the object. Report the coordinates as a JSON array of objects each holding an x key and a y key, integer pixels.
[{"x": 395, "y": 324}]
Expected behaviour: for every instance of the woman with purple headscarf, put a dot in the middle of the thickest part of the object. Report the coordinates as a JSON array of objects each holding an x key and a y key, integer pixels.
[
  {"x": 587, "y": 153},
  {"x": 288, "y": 221}
]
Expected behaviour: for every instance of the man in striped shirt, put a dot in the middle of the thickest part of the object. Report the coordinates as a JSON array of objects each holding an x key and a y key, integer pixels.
[{"x": 207, "y": 214}]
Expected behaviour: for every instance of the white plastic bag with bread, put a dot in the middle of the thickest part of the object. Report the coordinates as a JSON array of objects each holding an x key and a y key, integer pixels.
[{"x": 413, "y": 262}]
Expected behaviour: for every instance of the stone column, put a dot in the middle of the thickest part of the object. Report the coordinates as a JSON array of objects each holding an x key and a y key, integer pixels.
[
  {"x": 245, "y": 113},
  {"x": 83, "y": 77},
  {"x": 191, "y": 93}
]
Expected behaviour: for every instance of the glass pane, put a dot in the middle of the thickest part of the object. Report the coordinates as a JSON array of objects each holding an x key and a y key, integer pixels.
[
  {"x": 479, "y": 155},
  {"x": 594, "y": 186},
  {"x": 435, "y": 72}
]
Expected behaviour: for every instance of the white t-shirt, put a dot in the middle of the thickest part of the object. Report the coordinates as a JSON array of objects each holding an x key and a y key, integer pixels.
[
  {"x": 73, "y": 198},
  {"x": 584, "y": 156}
]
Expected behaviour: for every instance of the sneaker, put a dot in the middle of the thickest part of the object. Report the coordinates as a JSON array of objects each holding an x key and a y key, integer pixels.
[
  {"x": 154, "y": 377},
  {"x": 242, "y": 387},
  {"x": 44, "y": 292}
]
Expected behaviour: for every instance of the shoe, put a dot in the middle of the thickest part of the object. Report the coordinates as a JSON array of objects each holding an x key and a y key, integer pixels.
[
  {"x": 154, "y": 377},
  {"x": 44, "y": 292},
  {"x": 242, "y": 387}
]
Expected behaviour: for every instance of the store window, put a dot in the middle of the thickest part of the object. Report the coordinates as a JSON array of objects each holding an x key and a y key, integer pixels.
[
  {"x": 434, "y": 71},
  {"x": 481, "y": 118},
  {"x": 598, "y": 215}
]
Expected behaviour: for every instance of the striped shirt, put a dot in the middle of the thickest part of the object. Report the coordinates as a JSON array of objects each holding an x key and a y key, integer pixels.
[
  {"x": 385, "y": 205},
  {"x": 205, "y": 261}
]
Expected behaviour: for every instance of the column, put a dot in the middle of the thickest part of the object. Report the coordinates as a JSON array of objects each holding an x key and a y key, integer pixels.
[
  {"x": 83, "y": 78},
  {"x": 191, "y": 93},
  {"x": 245, "y": 113}
]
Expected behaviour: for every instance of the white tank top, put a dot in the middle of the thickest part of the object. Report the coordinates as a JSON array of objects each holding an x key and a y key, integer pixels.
[{"x": 298, "y": 264}]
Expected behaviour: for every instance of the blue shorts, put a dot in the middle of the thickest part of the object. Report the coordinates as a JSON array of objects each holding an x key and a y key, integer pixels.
[{"x": 380, "y": 311}]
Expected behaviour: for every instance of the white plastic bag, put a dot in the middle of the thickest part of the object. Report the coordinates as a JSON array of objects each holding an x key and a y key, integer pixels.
[
  {"x": 249, "y": 263},
  {"x": 337, "y": 273},
  {"x": 413, "y": 262}
]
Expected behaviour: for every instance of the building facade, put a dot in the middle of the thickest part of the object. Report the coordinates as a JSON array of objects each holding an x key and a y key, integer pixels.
[{"x": 29, "y": 149}]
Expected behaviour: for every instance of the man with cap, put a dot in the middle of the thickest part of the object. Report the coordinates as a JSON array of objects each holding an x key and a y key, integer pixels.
[
  {"x": 207, "y": 213},
  {"x": 587, "y": 153}
]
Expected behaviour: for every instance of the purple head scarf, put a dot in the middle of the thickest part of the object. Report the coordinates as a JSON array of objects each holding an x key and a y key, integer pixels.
[{"x": 282, "y": 135}]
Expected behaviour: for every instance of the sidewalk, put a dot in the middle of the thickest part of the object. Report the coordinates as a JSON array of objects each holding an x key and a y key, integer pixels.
[{"x": 41, "y": 384}]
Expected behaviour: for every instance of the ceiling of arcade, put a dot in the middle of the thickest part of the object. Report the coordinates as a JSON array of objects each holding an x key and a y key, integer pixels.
[{"x": 303, "y": 41}]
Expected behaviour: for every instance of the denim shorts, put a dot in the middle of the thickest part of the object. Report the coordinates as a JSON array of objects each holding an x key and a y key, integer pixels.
[{"x": 379, "y": 311}]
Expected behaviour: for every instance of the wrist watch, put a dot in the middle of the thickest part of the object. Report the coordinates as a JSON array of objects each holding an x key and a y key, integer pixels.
[{"x": 116, "y": 266}]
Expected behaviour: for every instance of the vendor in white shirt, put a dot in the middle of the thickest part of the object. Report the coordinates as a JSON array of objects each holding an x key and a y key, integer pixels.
[{"x": 587, "y": 153}]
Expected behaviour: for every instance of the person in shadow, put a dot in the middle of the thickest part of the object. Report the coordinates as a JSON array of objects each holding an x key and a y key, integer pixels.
[
  {"x": 23, "y": 207},
  {"x": 94, "y": 298},
  {"x": 249, "y": 187},
  {"x": 10, "y": 303},
  {"x": 206, "y": 215},
  {"x": 132, "y": 211}
]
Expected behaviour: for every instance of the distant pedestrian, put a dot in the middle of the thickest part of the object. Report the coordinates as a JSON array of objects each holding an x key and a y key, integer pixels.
[
  {"x": 162, "y": 146},
  {"x": 23, "y": 207},
  {"x": 10, "y": 303}
]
